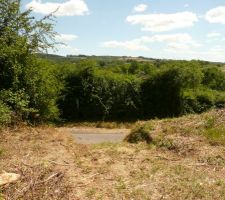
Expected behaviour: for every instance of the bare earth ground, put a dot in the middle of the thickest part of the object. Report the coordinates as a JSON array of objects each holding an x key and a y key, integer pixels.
[{"x": 53, "y": 166}]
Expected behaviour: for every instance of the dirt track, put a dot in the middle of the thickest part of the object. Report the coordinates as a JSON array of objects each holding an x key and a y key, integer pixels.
[{"x": 98, "y": 135}]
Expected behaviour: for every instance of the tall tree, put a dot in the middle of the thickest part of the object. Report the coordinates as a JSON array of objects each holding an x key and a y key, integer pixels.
[{"x": 22, "y": 77}]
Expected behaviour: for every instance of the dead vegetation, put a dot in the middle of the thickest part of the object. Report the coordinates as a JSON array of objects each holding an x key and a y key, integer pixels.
[
  {"x": 101, "y": 124},
  {"x": 181, "y": 162}
]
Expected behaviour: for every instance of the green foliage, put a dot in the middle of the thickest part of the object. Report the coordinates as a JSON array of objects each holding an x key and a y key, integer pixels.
[
  {"x": 213, "y": 131},
  {"x": 27, "y": 85},
  {"x": 93, "y": 88},
  {"x": 210, "y": 122},
  {"x": 93, "y": 94},
  {"x": 5, "y": 112},
  {"x": 214, "y": 78},
  {"x": 202, "y": 99},
  {"x": 162, "y": 93},
  {"x": 18, "y": 101},
  {"x": 215, "y": 135},
  {"x": 44, "y": 87},
  {"x": 135, "y": 90},
  {"x": 140, "y": 133}
]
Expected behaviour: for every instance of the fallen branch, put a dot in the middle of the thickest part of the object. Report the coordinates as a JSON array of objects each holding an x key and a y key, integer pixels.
[
  {"x": 59, "y": 174},
  {"x": 63, "y": 164},
  {"x": 7, "y": 178}
]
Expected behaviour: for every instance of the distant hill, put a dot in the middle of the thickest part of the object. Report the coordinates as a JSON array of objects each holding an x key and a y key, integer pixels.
[{"x": 109, "y": 58}]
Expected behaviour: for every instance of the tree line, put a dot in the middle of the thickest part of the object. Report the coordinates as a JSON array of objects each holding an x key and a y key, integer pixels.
[
  {"x": 38, "y": 89},
  {"x": 141, "y": 90}
]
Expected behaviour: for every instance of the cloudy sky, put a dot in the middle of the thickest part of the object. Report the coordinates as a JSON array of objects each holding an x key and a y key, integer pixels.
[{"x": 175, "y": 29}]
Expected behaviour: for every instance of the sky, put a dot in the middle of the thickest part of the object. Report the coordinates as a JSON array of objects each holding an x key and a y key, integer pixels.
[{"x": 170, "y": 29}]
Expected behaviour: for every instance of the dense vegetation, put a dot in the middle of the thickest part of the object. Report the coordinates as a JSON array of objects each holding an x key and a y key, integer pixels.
[
  {"x": 28, "y": 87},
  {"x": 139, "y": 90},
  {"x": 37, "y": 87}
]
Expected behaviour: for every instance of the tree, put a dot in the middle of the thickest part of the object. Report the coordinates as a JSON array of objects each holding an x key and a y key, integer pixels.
[
  {"x": 214, "y": 78},
  {"x": 162, "y": 94},
  {"x": 21, "y": 73}
]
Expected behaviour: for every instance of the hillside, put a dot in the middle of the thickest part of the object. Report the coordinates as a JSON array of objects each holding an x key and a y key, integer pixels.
[
  {"x": 185, "y": 160},
  {"x": 113, "y": 58}
]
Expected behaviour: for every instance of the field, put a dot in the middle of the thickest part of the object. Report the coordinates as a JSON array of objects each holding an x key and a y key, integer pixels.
[
  {"x": 185, "y": 160},
  {"x": 161, "y": 108}
]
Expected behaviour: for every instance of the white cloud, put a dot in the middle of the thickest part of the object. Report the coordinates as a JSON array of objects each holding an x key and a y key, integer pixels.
[
  {"x": 216, "y": 15},
  {"x": 182, "y": 41},
  {"x": 140, "y": 8},
  {"x": 68, "y": 8},
  {"x": 66, "y": 49},
  {"x": 163, "y": 22},
  {"x": 132, "y": 45},
  {"x": 171, "y": 38},
  {"x": 65, "y": 37},
  {"x": 177, "y": 42},
  {"x": 213, "y": 34},
  {"x": 215, "y": 54}
]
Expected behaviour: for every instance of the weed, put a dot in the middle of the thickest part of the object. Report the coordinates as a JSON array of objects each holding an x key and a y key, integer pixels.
[
  {"x": 197, "y": 190},
  {"x": 2, "y": 152},
  {"x": 210, "y": 122},
  {"x": 165, "y": 143},
  {"x": 215, "y": 136},
  {"x": 141, "y": 133},
  {"x": 214, "y": 160},
  {"x": 91, "y": 192},
  {"x": 120, "y": 185}
]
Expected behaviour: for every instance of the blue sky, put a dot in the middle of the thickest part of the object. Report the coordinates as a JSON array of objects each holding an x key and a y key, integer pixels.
[{"x": 174, "y": 29}]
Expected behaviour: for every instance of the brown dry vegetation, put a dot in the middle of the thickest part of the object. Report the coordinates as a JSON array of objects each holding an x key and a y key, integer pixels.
[
  {"x": 100, "y": 124},
  {"x": 186, "y": 160}
]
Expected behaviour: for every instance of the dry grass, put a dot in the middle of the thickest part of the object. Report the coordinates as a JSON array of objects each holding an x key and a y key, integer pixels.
[
  {"x": 101, "y": 124},
  {"x": 181, "y": 163},
  {"x": 26, "y": 152}
]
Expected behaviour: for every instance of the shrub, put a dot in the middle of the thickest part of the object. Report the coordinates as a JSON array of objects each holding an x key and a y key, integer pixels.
[
  {"x": 18, "y": 101},
  {"x": 162, "y": 93},
  {"x": 214, "y": 78},
  {"x": 26, "y": 84},
  {"x": 202, "y": 99},
  {"x": 92, "y": 94},
  {"x": 141, "y": 133},
  {"x": 164, "y": 143},
  {"x": 5, "y": 112},
  {"x": 44, "y": 89}
]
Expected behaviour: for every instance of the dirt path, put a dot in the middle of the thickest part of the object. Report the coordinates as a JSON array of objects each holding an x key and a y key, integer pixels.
[{"x": 97, "y": 135}]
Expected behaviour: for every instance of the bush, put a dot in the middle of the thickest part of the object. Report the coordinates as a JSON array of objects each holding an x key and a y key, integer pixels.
[
  {"x": 141, "y": 133},
  {"x": 26, "y": 84},
  {"x": 91, "y": 94},
  {"x": 202, "y": 99},
  {"x": 215, "y": 135},
  {"x": 43, "y": 86},
  {"x": 5, "y": 112},
  {"x": 214, "y": 78},
  {"x": 164, "y": 143},
  {"x": 162, "y": 93}
]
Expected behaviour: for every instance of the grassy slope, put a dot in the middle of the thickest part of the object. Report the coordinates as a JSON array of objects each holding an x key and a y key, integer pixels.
[{"x": 186, "y": 161}]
